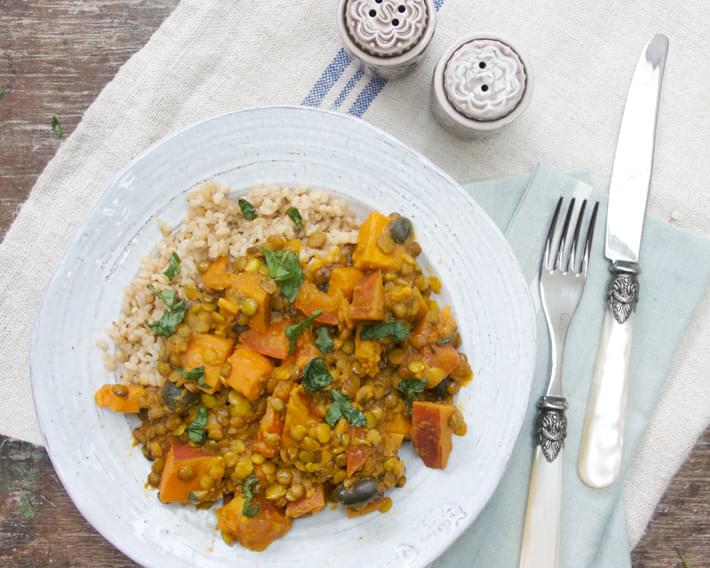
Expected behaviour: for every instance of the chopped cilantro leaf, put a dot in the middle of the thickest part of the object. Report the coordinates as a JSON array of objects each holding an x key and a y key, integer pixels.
[
  {"x": 247, "y": 209},
  {"x": 342, "y": 408},
  {"x": 284, "y": 268},
  {"x": 173, "y": 268}
]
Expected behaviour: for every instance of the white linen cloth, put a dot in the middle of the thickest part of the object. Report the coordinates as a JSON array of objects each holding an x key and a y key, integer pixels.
[{"x": 211, "y": 57}]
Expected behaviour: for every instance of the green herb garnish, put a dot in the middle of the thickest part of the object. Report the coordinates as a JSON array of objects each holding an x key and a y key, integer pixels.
[
  {"x": 196, "y": 430},
  {"x": 295, "y": 216},
  {"x": 393, "y": 329},
  {"x": 196, "y": 374},
  {"x": 173, "y": 268},
  {"x": 172, "y": 316},
  {"x": 294, "y": 331},
  {"x": 192, "y": 496},
  {"x": 324, "y": 342},
  {"x": 410, "y": 388},
  {"x": 284, "y": 268},
  {"x": 168, "y": 296},
  {"x": 249, "y": 508},
  {"x": 2, "y": 92},
  {"x": 56, "y": 127},
  {"x": 342, "y": 408},
  {"x": 316, "y": 375},
  {"x": 247, "y": 209}
]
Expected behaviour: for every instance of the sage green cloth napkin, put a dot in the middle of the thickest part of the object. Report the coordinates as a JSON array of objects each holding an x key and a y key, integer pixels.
[{"x": 676, "y": 273}]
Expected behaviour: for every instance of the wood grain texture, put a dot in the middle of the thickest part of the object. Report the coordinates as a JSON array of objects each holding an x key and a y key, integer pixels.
[{"x": 55, "y": 56}]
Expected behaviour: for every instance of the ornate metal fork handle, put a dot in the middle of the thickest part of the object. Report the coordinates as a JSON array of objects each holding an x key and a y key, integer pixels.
[
  {"x": 551, "y": 425},
  {"x": 562, "y": 281}
]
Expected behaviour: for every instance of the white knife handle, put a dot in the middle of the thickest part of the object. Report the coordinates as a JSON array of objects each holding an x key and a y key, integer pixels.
[
  {"x": 541, "y": 535},
  {"x": 600, "y": 451}
]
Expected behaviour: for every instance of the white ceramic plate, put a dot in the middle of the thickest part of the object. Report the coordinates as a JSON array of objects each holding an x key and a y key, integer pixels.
[{"x": 90, "y": 447}]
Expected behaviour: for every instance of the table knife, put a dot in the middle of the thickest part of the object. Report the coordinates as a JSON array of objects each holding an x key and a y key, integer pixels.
[{"x": 601, "y": 447}]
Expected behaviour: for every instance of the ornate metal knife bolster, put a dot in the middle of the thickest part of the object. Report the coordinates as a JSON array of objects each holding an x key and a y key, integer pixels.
[
  {"x": 623, "y": 291},
  {"x": 551, "y": 425}
]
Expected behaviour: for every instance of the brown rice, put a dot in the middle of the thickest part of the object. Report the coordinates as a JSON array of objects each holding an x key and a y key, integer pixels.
[{"x": 214, "y": 227}]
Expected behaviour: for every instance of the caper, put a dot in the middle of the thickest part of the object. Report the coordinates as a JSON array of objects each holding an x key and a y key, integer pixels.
[
  {"x": 358, "y": 493},
  {"x": 400, "y": 229},
  {"x": 176, "y": 399}
]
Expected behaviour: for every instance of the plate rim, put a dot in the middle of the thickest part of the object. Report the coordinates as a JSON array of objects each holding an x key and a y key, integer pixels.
[{"x": 94, "y": 519}]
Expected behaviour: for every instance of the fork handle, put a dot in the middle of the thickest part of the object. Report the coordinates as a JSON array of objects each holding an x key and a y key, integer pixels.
[
  {"x": 541, "y": 535},
  {"x": 602, "y": 442}
]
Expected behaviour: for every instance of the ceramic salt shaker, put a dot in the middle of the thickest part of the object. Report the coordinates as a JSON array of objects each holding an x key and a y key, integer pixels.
[
  {"x": 388, "y": 37},
  {"x": 480, "y": 84}
]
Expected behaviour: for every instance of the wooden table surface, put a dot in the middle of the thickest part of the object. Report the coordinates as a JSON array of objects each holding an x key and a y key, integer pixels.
[{"x": 55, "y": 56}]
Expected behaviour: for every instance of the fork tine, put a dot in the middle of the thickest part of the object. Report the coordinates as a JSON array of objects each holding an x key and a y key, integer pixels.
[
  {"x": 563, "y": 235},
  {"x": 589, "y": 239},
  {"x": 572, "y": 261},
  {"x": 550, "y": 234}
]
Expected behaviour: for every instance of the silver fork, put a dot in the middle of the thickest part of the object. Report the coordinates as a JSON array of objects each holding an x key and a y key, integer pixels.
[{"x": 562, "y": 280}]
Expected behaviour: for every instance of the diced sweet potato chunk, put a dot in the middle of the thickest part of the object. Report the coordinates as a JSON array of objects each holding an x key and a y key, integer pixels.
[
  {"x": 310, "y": 299},
  {"x": 172, "y": 488},
  {"x": 343, "y": 280},
  {"x": 357, "y": 456},
  {"x": 208, "y": 351},
  {"x": 307, "y": 505},
  {"x": 272, "y": 342},
  {"x": 300, "y": 411},
  {"x": 367, "y": 253},
  {"x": 257, "y": 532},
  {"x": 444, "y": 357},
  {"x": 216, "y": 276},
  {"x": 368, "y": 298},
  {"x": 383, "y": 504},
  {"x": 442, "y": 326},
  {"x": 120, "y": 398},
  {"x": 399, "y": 424},
  {"x": 271, "y": 423},
  {"x": 248, "y": 284},
  {"x": 306, "y": 350},
  {"x": 358, "y": 451},
  {"x": 431, "y": 433},
  {"x": 249, "y": 372}
]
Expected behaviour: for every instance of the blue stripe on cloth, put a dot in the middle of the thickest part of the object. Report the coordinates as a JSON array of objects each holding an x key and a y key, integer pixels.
[
  {"x": 366, "y": 96},
  {"x": 335, "y": 70},
  {"x": 328, "y": 78},
  {"x": 372, "y": 89},
  {"x": 354, "y": 80}
]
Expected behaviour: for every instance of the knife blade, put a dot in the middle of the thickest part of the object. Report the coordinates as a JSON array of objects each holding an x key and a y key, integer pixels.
[{"x": 603, "y": 434}]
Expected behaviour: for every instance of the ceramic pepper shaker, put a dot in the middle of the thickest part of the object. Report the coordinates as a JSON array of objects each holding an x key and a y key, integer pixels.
[
  {"x": 388, "y": 37},
  {"x": 481, "y": 83}
]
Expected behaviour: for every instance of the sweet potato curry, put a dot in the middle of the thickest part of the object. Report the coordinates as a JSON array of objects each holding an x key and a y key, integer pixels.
[{"x": 290, "y": 383}]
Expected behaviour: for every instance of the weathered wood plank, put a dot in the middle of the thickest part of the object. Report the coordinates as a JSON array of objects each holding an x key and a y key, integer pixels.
[
  {"x": 681, "y": 521},
  {"x": 55, "y": 56},
  {"x": 39, "y": 525}
]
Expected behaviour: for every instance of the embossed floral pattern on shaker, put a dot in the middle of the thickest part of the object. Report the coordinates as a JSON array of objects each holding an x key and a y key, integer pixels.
[
  {"x": 485, "y": 79},
  {"x": 386, "y": 28}
]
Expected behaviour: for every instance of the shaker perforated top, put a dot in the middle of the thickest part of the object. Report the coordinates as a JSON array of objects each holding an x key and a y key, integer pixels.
[
  {"x": 386, "y": 28},
  {"x": 485, "y": 79}
]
